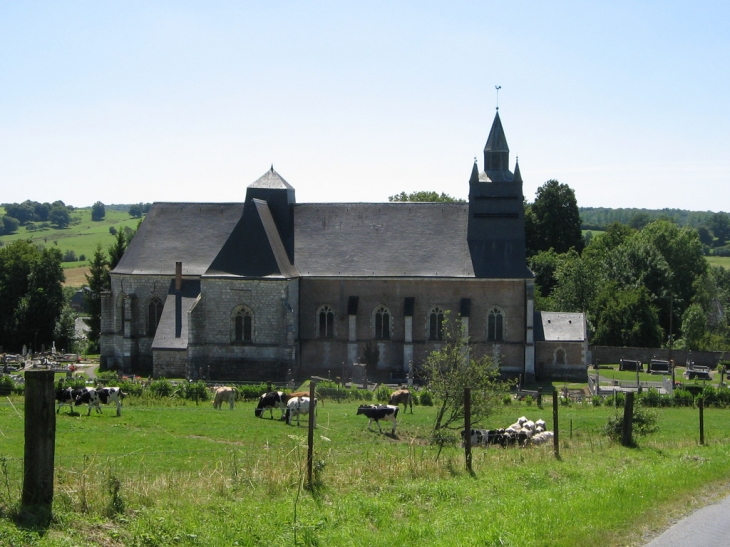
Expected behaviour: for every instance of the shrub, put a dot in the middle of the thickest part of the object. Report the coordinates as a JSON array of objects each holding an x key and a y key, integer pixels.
[
  {"x": 131, "y": 388},
  {"x": 619, "y": 399},
  {"x": 249, "y": 392},
  {"x": 597, "y": 400},
  {"x": 529, "y": 401},
  {"x": 644, "y": 423},
  {"x": 682, "y": 397},
  {"x": 195, "y": 391},
  {"x": 6, "y": 385},
  {"x": 382, "y": 393},
  {"x": 426, "y": 398},
  {"x": 162, "y": 388},
  {"x": 651, "y": 398},
  {"x": 507, "y": 399},
  {"x": 565, "y": 401}
]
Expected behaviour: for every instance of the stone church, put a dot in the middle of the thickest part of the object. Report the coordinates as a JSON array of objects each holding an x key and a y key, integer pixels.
[{"x": 270, "y": 288}]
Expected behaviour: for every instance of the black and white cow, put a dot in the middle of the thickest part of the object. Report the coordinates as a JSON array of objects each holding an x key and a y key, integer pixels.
[
  {"x": 95, "y": 397},
  {"x": 67, "y": 396},
  {"x": 296, "y": 406},
  {"x": 380, "y": 412},
  {"x": 269, "y": 401}
]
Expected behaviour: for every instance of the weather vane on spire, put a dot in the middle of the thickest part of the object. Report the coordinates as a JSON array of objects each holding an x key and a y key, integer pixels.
[{"x": 497, "y": 87}]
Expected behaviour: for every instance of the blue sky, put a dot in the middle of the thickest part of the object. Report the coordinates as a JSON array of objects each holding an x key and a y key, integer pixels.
[{"x": 121, "y": 102}]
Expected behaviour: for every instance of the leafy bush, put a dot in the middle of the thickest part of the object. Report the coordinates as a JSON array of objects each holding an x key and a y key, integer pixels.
[
  {"x": 619, "y": 399},
  {"x": 195, "y": 391},
  {"x": 507, "y": 399},
  {"x": 597, "y": 400},
  {"x": 644, "y": 423},
  {"x": 651, "y": 398},
  {"x": 249, "y": 392},
  {"x": 717, "y": 397},
  {"x": 426, "y": 398},
  {"x": 162, "y": 387},
  {"x": 6, "y": 385},
  {"x": 565, "y": 401},
  {"x": 131, "y": 388},
  {"x": 529, "y": 400},
  {"x": 682, "y": 397},
  {"x": 108, "y": 377},
  {"x": 382, "y": 393}
]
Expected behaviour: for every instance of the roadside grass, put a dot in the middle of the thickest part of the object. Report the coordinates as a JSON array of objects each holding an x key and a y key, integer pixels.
[{"x": 180, "y": 473}]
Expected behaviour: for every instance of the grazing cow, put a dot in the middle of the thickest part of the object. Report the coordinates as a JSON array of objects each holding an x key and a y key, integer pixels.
[
  {"x": 402, "y": 397},
  {"x": 95, "y": 397},
  {"x": 67, "y": 396},
  {"x": 109, "y": 395},
  {"x": 88, "y": 396},
  {"x": 225, "y": 394},
  {"x": 380, "y": 412},
  {"x": 296, "y": 406},
  {"x": 269, "y": 401}
]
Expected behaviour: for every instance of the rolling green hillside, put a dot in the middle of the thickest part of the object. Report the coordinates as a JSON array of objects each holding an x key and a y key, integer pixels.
[{"x": 81, "y": 237}]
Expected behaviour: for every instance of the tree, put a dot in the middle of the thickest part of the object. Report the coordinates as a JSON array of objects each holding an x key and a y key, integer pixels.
[
  {"x": 626, "y": 318},
  {"x": 425, "y": 196},
  {"x": 579, "y": 280},
  {"x": 10, "y": 225},
  {"x": 98, "y": 211},
  {"x": 451, "y": 369},
  {"x": 59, "y": 216},
  {"x": 116, "y": 251},
  {"x": 31, "y": 295},
  {"x": 98, "y": 281},
  {"x": 554, "y": 220},
  {"x": 135, "y": 211},
  {"x": 694, "y": 326},
  {"x": 65, "y": 330},
  {"x": 720, "y": 226},
  {"x": 682, "y": 251}
]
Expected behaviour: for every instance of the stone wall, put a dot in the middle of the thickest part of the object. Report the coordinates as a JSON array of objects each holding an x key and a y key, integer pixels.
[{"x": 319, "y": 355}]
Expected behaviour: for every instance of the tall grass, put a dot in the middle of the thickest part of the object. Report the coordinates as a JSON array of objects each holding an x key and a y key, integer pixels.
[{"x": 185, "y": 474}]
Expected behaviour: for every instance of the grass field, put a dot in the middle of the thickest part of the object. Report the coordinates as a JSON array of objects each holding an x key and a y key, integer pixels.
[
  {"x": 723, "y": 261},
  {"x": 176, "y": 473}
]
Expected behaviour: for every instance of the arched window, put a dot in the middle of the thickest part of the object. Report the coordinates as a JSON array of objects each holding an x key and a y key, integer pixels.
[
  {"x": 436, "y": 324},
  {"x": 382, "y": 323},
  {"x": 325, "y": 322},
  {"x": 495, "y": 325},
  {"x": 560, "y": 357},
  {"x": 154, "y": 313},
  {"x": 121, "y": 312},
  {"x": 242, "y": 326}
]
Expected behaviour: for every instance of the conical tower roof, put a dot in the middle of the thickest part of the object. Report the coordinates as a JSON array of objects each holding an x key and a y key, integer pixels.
[
  {"x": 496, "y": 142},
  {"x": 271, "y": 180}
]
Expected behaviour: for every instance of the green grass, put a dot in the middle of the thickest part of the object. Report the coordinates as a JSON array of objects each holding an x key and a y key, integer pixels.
[
  {"x": 82, "y": 236},
  {"x": 190, "y": 475},
  {"x": 723, "y": 261}
]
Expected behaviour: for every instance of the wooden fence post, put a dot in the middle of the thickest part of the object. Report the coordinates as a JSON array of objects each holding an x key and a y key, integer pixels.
[
  {"x": 467, "y": 428},
  {"x": 556, "y": 428},
  {"x": 40, "y": 442},
  {"x": 310, "y": 433},
  {"x": 626, "y": 433},
  {"x": 701, "y": 404}
]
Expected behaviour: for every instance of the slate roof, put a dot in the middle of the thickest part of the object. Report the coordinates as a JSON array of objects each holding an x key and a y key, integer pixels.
[
  {"x": 191, "y": 233},
  {"x": 382, "y": 239},
  {"x": 559, "y": 327}
]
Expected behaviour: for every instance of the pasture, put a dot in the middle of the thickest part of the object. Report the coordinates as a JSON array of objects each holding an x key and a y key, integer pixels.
[{"x": 172, "y": 472}]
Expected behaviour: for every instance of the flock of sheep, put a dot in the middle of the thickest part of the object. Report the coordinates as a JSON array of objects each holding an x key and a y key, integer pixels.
[{"x": 522, "y": 433}]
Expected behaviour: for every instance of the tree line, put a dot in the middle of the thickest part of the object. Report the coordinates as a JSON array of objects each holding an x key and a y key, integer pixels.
[
  {"x": 33, "y": 214},
  {"x": 645, "y": 285}
]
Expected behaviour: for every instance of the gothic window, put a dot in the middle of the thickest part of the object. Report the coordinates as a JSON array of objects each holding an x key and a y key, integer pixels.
[
  {"x": 382, "y": 323},
  {"x": 325, "y": 322},
  {"x": 154, "y": 313},
  {"x": 560, "y": 357},
  {"x": 436, "y": 324},
  {"x": 495, "y": 325},
  {"x": 121, "y": 312},
  {"x": 242, "y": 326}
]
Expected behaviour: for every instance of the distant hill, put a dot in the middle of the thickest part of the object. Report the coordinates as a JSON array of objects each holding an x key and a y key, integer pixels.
[{"x": 597, "y": 218}]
